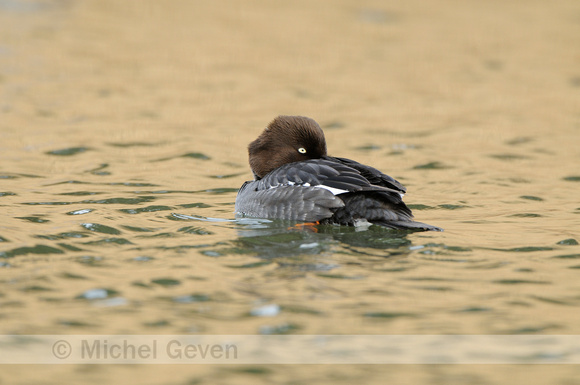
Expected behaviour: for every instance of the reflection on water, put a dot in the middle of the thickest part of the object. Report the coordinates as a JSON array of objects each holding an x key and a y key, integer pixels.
[
  {"x": 124, "y": 128},
  {"x": 272, "y": 239}
]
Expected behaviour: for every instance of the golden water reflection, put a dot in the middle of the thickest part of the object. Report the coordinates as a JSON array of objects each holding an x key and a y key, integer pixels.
[{"x": 124, "y": 128}]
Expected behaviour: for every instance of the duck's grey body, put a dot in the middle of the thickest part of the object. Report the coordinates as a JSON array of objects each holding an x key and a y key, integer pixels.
[{"x": 328, "y": 190}]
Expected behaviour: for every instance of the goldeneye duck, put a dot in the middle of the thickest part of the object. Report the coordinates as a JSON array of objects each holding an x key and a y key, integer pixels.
[{"x": 294, "y": 179}]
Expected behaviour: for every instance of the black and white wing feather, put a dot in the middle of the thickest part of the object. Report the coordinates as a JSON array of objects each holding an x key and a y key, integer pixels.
[{"x": 372, "y": 175}]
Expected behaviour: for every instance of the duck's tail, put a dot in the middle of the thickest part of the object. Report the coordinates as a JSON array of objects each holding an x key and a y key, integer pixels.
[{"x": 407, "y": 225}]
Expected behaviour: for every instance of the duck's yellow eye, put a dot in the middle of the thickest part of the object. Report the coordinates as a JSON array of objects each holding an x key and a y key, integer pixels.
[{"x": 302, "y": 150}]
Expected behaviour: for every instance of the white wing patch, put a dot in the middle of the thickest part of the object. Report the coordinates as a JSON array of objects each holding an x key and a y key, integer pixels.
[{"x": 335, "y": 191}]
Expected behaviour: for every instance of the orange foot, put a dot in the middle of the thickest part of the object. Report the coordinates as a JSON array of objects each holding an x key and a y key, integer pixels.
[{"x": 308, "y": 226}]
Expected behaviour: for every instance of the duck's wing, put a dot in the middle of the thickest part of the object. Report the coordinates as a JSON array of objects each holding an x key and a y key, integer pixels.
[
  {"x": 315, "y": 173},
  {"x": 379, "y": 199},
  {"x": 371, "y": 174},
  {"x": 336, "y": 175},
  {"x": 381, "y": 203}
]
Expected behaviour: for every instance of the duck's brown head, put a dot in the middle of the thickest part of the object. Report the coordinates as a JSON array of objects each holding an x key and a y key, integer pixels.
[{"x": 287, "y": 139}]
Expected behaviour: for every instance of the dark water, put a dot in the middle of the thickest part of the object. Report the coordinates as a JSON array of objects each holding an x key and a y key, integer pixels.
[{"x": 124, "y": 130}]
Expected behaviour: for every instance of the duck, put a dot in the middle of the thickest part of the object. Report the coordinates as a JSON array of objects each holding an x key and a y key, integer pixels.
[{"x": 296, "y": 180}]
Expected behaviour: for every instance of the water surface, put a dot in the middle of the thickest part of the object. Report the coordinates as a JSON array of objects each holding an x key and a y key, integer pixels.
[{"x": 123, "y": 138}]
